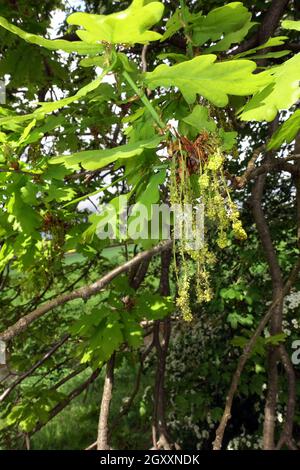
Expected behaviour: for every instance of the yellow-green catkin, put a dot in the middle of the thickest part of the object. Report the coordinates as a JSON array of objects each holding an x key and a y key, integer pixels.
[
  {"x": 183, "y": 298},
  {"x": 221, "y": 213}
]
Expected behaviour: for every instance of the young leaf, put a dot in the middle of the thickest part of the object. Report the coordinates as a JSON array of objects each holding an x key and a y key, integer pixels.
[
  {"x": 214, "y": 81},
  {"x": 46, "y": 108},
  {"x": 231, "y": 22},
  {"x": 200, "y": 120},
  {"x": 55, "y": 44},
  {"x": 289, "y": 24},
  {"x": 286, "y": 132},
  {"x": 95, "y": 159},
  {"x": 280, "y": 94},
  {"x": 128, "y": 26},
  {"x": 272, "y": 42},
  {"x": 23, "y": 214}
]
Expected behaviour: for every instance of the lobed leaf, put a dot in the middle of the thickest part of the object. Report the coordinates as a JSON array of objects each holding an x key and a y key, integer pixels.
[
  {"x": 214, "y": 81},
  {"x": 55, "y": 44},
  {"x": 286, "y": 132},
  {"x": 95, "y": 159},
  {"x": 128, "y": 26},
  {"x": 281, "y": 93}
]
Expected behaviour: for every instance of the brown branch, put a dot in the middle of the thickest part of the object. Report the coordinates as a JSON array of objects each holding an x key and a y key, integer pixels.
[
  {"x": 70, "y": 376},
  {"x": 247, "y": 353},
  {"x": 252, "y": 171},
  {"x": 138, "y": 274},
  {"x": 297, "y": 185},
  {"x": 160, "y": 435},
  {"x": 161, "y": 439},
  {"x": 144, "y": 58},
  {"x": 70, "y": 397},
  {"x": 267, "y": 27},
  {"x": 271, "y": 401},
  {"x": 48, "y": 354},
  {"x": 102, "y": 439},
  {"x": 271, "y": 20},
  {"x": 266, "y": 240},
  {"x": 276, "y": 320},
  {"x": 127, "y": 406},
  {"x": 286, "y": 437},
  {"x": 82, "y": 293},
  {"x": 21, "y": 172},
  {"x": 242, "y": 180},
  {"x": 287, "y": 432}
]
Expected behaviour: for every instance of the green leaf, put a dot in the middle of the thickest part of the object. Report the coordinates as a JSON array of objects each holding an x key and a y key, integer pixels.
[
  {"x": 26, "y": 132},
  {"x": 110, "y": 213},
  {"x": 128, "y": 26},
  {"x": 107, "y": 338},
  {"x": 200, "y": 120},
  {"x": 280, "y": 94},
  {"x": 53, "y": 45},
  {"x": 142, "y": 211},
  {"x": 274, "y": 340},
  {"x": 151, "y": 193},
  {"x": 154, "y": 307},
  {"x": 231, "y": 293},
  {"x": 235, "y": 318},
  {"x": 56, "y": 172},
  {"x": 241, "y": 341},
  {"x": 232, "y": 22},
  {"x": 51, "y": 123},
  {"x": 95, "y": 159},
  {"x": 57, "y": 193},
  {"x": 286, "y": 132},
  {"x": 214, "y": 81},
  {"x": 182, "y": 18},
  {"x": 24, "y": 215},
  {"x": 46, "y": 108},
  {"x": 86, "y": 322},
  {"x": 6, "y": 254},
  {"x": 272, "y": 42},
  {"x": 289, "y": 24},
  {"x": 270, "y": 55},
  {"x": 173, "y": 56},
  {"x": 174, "y": 24},
  {"x": 228, "y": 139},
  {"x": 133, "y": 332}
]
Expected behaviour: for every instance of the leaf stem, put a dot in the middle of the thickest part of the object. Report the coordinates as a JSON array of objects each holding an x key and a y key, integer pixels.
[{"x": 144, "y": 99}]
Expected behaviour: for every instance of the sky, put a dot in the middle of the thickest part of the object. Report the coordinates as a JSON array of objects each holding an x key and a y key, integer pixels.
[{"x": 59, "y": 17}]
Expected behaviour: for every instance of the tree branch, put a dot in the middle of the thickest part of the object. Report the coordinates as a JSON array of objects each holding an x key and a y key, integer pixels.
[
  {"x": 48, "y": 354},
  {"x": 102, "y": 440},
  {"x": 82, "y": 293},
  {"x": 267, "y": 27},
  {"x": 62, "y": 405},
  {"x": 247, "y": 353},
  {"x": 161, "y": 338},
  {"x": 287, "y": 432},
  {"x": 252, "y": 171}
]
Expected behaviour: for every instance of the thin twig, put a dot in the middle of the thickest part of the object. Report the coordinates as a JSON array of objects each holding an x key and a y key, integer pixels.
[
  {"x": 247, "y": 353},
  {"x": 46, "y": 356},
  {"x": 84, "y": 292},
  {"x": 66, "y": 401}
]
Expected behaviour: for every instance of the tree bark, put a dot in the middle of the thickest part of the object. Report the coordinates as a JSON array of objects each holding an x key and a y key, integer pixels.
[{"x": 102, "y": 440}]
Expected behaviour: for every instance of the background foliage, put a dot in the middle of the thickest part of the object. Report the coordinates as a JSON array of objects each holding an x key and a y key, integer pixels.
[{"x": 67, "y": 136}]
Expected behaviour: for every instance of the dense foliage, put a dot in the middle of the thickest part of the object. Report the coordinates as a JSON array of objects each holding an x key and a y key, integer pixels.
[{"x": 141, "y": 103}]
